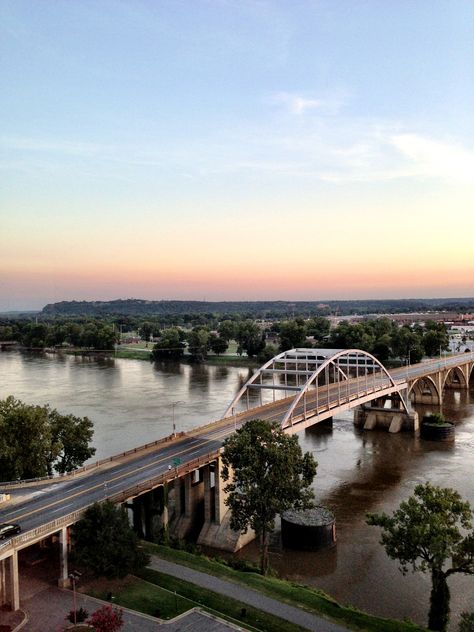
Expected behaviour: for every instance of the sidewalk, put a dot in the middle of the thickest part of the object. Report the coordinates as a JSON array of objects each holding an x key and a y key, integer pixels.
[
  {"x": 246, "y": 595},
  {"x": 47, "y": 609}
]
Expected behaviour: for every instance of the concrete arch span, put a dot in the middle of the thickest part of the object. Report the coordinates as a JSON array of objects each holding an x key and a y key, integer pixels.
[
  {"x": 457, "y": 377},
  {"x": 424, "y": 390}
]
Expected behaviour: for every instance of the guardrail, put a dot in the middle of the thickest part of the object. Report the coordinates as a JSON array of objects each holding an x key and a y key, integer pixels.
[
  {"x": 28, "y": 537},
  {"x": 57, "y": 478}
]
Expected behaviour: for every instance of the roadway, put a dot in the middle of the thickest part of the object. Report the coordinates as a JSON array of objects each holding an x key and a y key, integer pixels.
[{"x": 56, "y": 500}]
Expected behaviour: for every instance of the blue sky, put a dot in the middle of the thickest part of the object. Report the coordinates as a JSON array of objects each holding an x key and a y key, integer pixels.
[{"x": 168, "y": 149}]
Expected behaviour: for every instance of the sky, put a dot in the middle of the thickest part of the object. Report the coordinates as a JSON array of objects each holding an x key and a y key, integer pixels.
[{"x": 235, "y": 150}]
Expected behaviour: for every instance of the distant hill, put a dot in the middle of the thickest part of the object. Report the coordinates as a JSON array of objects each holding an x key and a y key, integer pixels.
[{"x": 255, "y": 309}]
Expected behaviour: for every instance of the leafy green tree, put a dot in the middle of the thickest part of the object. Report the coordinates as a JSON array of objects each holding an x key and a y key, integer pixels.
[
  {"x": 319, "y": 328},
  {"x": 227, "y": 330},
  {"x": 292, "y": 334},
  {"x": 269, "y": 475},
  {"x": 145, "y": 331},
  {"x": 27, "y": 440},
  {"x": 426, "y": 532},
  {"x": 198, "y": 343},
  {"x": 105, "y": 544},
  {"x": 71, "y": 438},
  {"x": 407, "y": 344},
  {"x": 269, "y": 352},
  {"x": 169, "y": 346},
  {"x": 218, "y": 344},
  {"x": 435, "y": 338},
  {"x": 34, "y": 440},
  {"x": 250, "y": 338}
]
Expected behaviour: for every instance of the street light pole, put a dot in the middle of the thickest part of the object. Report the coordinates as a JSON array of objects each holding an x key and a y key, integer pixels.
[
  {"x": 74, "y": 576},
  {"x": 173, "y": 404}
]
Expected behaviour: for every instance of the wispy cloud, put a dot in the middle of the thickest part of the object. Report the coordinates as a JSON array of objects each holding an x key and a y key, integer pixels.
[{"x": 296, "y": 103}]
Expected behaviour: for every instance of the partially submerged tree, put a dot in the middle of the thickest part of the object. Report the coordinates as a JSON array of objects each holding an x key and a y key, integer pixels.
[
  {"x": 266, "y": 474},
  {"x": 105, "y": 543},
  {"x": 429, "y": 530}
]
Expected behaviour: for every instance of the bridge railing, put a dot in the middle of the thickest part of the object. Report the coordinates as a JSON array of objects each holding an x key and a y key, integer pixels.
[{"x": 33, "y": 535}]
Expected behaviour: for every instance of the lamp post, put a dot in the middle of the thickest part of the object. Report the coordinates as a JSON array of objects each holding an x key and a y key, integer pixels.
[
  {"x": 74, "y": 576},
  {"x": 173, "y": 404}
]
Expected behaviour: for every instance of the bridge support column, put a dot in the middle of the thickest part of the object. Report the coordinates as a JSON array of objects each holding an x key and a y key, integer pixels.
[
  {"x": 189, "y": 517},
  {"x": 14, "y": 582},
  {"x": 63, "y": 580},
  {"x": 3, "y": 583},
  {"x": 392, "y": 419},
  {"x": 138, "y": 516},
  {"x": 216, "y": 531}
]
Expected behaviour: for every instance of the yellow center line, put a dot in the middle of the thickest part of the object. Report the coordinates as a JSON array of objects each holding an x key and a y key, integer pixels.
[{"x": 115, "y": 478}]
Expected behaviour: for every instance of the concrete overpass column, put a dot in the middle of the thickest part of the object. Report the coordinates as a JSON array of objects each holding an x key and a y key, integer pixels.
[
  {"x": 206, "y": 472},
  {"x": 220, "y": 507},
  {"x": 14, "y": 581},
  {"x": 188, "y": 496},
  {"x": 63, "y": 580},
  {"x": 3, "y": 584}
]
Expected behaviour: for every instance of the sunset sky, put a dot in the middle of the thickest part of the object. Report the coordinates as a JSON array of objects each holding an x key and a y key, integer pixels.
[{"x": 235, "y": 149}]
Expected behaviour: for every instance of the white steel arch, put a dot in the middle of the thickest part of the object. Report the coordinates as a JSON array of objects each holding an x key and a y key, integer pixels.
[{"x": 320, "y": 380}]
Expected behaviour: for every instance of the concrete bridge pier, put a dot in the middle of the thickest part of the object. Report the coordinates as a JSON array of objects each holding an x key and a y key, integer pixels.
[
  {"x": 393, "y": 417},
  {"x": 63, "y": 581},
  {"x": 150, "y": 514},
  {"x": 216, "y": 531},
  {"x": 187, "y": 503},
  {"x": 10, "y": 582}
]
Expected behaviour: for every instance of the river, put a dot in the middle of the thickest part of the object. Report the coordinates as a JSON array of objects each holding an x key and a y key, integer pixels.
[{"x": 131, "y": 403}]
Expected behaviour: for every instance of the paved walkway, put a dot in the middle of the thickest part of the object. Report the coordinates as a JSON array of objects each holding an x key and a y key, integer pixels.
[
  {"x": 247, "y": 595},
  {"x": 46, "y": 611}
]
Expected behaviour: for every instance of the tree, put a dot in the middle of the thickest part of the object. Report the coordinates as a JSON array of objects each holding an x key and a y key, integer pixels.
[
  {"x": 270, "y": 475},
  {"x": 71, "y": 436},
  {"x": 227, "y": 329},
  {"x": 169, "y": 346},
  {"x": 105, "y": 543},
  {"x": 35, "y": 440},
  {"x": 218, "y": 344},
  {"x": 198, "y": 343},
  {"x": 107, "y": 619},
  {"x": 292, "y": 334},
  {"x": 423, "y": 534},
  {"x": 249, "y": 338},
  {"x": 319, "y": 328}
]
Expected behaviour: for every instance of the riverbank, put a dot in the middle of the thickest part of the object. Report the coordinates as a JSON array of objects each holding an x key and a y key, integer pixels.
[
  {"x": 246, "y": 597},
  {"x": 212, "y": 360}
]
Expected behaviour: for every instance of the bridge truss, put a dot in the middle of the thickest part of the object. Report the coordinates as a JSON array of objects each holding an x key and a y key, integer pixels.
[{"x": 316, "y": 382}]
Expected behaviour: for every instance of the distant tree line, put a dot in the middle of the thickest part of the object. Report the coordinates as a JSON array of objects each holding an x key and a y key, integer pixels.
[
  {"x": 198, "y": 335},
  {"x": 252, "y": 309}
]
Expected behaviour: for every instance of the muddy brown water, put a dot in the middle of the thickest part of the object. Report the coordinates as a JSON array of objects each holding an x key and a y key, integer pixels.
[{"x": 130, "y": 403}]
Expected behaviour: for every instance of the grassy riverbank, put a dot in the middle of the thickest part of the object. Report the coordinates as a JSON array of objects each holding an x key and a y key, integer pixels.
[
  {"x": 297, "y": 595},
  {"x": 139, "y": 353}
]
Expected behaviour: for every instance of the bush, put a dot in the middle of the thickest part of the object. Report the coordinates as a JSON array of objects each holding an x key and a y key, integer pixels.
[
  {"x": 467, "y": 622},
  {"x": 107, "y": 619}
]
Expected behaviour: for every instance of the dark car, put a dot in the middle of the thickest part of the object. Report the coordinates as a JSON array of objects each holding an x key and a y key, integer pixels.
[{"x": 7, "y": 530}]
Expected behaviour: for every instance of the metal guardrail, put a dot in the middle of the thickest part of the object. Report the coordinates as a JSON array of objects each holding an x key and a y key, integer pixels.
[
  {"x": 22, "y": 540},
  {"x": 57, "y": 478}
]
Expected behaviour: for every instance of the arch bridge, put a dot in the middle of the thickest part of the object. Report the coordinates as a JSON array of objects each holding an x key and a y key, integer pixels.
[{"x": 301, "y": 387}]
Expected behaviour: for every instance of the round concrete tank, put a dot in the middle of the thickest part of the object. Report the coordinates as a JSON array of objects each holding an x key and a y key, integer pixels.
[{"x": 308, "y": 530}]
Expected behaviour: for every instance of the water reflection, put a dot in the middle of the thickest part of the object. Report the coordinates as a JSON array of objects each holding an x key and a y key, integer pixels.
[{"x": 130, "y": 404}]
